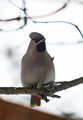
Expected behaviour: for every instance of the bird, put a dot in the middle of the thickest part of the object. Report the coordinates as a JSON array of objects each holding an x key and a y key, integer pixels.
[{"x": 33, "y": 64}]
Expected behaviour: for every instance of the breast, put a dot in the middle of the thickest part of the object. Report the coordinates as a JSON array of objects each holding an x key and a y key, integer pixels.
[{"x": 32, "y": 71}]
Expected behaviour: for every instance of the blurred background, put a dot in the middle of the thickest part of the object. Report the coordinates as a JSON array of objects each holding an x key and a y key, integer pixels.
[{"x": 63, "y": 41}]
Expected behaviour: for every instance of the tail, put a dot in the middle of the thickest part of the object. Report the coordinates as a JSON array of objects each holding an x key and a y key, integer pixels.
[{"x": 35, "y": 101}]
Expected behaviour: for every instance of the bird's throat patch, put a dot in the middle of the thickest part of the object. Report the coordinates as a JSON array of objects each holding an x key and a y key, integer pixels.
[{"x": 41, "y": 47}]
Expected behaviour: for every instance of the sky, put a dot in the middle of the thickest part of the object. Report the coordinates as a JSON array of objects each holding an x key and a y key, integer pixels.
[{"x": 61, "y": 42}]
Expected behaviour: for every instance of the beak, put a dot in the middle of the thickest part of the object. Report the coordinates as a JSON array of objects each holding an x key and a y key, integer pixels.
[{"x": 36, "y": 45}]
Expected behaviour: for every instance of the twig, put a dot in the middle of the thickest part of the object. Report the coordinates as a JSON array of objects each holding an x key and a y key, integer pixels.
[
  {"x": 79, "y": 1},
  {"x": 19, "y": 18},
  {"x": 40, "y": 84},
  {"x": 52, "y": 12}
]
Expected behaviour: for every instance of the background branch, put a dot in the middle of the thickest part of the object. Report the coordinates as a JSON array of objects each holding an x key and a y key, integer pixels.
[
  {"x": 26, "y": 17},
  {"x": 19, "y": 18}
]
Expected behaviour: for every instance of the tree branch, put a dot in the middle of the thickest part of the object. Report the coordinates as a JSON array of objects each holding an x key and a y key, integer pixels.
[
  {"x": 46, "y": 90},
  {"x": 20, "y": 18},
  {"x": 41, "y": 82},
  {"x": 67, "y": 84}
]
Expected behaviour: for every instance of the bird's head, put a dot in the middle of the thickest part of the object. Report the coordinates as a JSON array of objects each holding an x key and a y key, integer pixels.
[{"x": 39, "y": 41}]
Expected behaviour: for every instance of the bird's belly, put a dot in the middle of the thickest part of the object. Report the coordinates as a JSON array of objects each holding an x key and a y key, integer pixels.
[{"x": 32, "y": 78}]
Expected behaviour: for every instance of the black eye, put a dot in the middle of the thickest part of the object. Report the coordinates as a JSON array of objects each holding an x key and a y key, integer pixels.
[{"x": 36, "y": 41}]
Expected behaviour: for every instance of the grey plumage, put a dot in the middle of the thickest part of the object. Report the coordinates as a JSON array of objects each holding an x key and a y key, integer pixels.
[{"x": 34, "y": 62}]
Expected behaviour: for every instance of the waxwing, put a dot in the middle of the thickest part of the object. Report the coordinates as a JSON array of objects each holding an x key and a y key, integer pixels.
[{"x": 33, "y": 65}]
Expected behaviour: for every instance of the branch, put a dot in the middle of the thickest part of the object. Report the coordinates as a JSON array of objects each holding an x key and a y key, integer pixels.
[
  {"x": 47, "y": 90},
  {"x": 40, "y": 84},
  {"x": 19, "y": 18},
  {"x": 30, "y": 18},
  {"x": 67, "y": 84}
]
